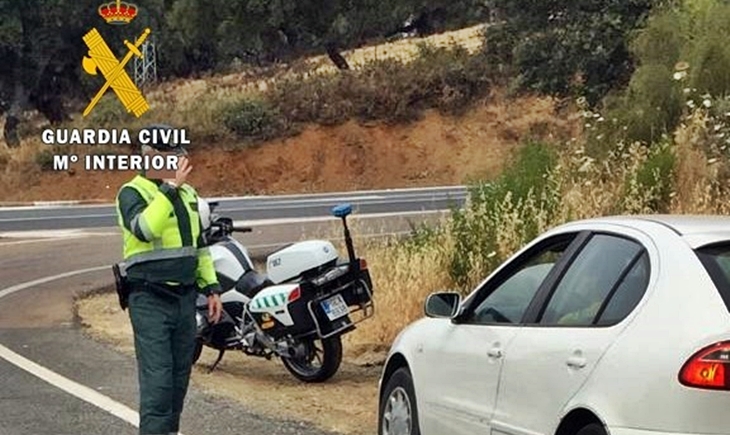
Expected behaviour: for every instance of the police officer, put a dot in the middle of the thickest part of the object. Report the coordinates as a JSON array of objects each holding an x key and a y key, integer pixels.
[{"x": 166, "y": 270}]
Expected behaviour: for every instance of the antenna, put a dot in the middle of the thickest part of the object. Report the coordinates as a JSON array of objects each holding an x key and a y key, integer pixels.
[{"x": 145, "y": 68}]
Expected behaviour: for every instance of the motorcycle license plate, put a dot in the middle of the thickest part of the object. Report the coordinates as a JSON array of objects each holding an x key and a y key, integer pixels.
[{"x": 335, "y": 307}]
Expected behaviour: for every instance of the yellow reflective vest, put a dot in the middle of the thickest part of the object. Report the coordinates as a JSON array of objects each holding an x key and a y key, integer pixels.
[{"x": 162, "y": 235}]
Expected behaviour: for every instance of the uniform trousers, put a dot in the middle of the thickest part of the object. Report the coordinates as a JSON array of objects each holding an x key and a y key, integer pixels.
[{"x": 163, "y": 320}]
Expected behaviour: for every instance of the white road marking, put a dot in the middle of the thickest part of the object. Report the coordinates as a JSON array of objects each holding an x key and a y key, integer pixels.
[
  {"x": 22, "y": 286},
  {"x": 48, "y": 236},
  {"x": 74, "y": 388},
  {"x": 47, "y": 218},
  {"x": 82, "y": 392}
]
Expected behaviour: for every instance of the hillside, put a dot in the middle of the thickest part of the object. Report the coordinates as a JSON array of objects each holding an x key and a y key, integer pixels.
[{"x": 435, "y": 149}]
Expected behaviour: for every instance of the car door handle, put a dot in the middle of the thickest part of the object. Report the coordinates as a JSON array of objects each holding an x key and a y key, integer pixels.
[
  {"x": 576, "y": 362},
  {"x": 495, "y": 352}
]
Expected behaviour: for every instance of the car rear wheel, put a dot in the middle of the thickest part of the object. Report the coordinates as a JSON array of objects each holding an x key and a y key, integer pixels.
[
  {"x": 592, "y": 429},
  {"x": 398, "y": 411}
]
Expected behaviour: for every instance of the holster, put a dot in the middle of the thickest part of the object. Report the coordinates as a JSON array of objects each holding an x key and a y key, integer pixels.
[{"x": 122, "y": 285}]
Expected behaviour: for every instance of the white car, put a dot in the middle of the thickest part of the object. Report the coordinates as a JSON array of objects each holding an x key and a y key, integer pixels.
[{"x": 617, "y": 325}]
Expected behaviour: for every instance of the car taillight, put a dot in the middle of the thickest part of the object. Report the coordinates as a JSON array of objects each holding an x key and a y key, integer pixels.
[
  {"x": 706, "y": 368},
  {"x": 295, "y": 294},
  {"x": 363, "y": 264}
]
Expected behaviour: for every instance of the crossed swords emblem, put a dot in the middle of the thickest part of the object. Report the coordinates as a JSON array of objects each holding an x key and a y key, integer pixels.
[{"x": 102, "y": 59}]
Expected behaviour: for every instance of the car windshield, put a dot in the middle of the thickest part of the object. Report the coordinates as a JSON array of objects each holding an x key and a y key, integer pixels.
[{"x": 716, "y": 259}]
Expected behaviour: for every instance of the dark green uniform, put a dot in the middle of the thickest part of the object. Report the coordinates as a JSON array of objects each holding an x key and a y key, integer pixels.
[{"x": 166, "y": 270}]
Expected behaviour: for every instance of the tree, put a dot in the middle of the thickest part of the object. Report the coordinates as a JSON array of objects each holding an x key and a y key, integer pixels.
[
  {"x": 568, "y": 48},
  {"x": 40, "y": 54}
]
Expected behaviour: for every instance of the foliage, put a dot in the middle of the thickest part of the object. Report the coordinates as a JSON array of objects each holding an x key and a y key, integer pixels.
[
  {"x": 44, "y": 160},
  {"x": 682, "y": 58},
  {"x": 108, "y": 113},
  {"x": 449, "y": 79},
  {"x": 211, "y": 34},
  {"x": 494, "y": 205},
  {"x": 252, "y": 119},
  {"x": 577, "y": 48}
]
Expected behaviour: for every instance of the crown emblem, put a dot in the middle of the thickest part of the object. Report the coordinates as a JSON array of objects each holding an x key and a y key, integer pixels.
[{"x": 119, "y": 12}]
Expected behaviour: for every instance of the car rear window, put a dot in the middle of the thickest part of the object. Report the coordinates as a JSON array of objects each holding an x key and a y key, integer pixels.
[{"x": 716, "y": 259}]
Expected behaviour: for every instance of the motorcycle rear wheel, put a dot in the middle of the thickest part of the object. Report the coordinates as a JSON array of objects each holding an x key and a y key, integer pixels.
[{"x": 327, "y": 353}]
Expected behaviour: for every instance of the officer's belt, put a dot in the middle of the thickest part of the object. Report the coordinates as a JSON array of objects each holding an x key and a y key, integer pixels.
[{"x": 160, "y": 254}]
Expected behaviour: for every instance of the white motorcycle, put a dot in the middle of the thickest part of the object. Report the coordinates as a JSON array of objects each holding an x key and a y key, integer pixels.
[{"x": 297, "y": 311}]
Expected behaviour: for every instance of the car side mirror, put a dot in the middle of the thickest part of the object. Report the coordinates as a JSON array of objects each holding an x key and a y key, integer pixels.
[{"x": 444, "y": 305}]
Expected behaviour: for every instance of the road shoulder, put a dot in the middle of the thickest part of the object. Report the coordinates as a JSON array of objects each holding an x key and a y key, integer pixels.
[{"x": 346, "y": 404}]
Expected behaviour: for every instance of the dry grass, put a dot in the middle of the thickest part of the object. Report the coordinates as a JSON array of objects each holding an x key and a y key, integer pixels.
[
  {"x": 401, "y": 280},
  {"x": 404, "y": 50}
]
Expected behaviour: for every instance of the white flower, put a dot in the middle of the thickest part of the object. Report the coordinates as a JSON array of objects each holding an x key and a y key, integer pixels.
[
  {"x": 707, "y": 103},
  {"x": 711, "y": 161},
  {"x": 679, "y": 75},
  {"x": 585, "y": 166},
  {"x": 686, "y": 90}
]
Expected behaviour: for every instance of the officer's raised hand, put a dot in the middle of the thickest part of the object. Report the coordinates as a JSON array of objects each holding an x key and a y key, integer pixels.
[{"x": 183, "y": 170}]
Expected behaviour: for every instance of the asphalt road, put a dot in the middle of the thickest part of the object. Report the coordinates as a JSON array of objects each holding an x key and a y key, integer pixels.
[
  {"x": 247, "y": 208},
  {"x": 37, "y": 322}
]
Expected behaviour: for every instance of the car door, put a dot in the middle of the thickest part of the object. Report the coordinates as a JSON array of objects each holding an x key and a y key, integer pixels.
[
  {"x": 459, "y": 365},
  {"x": 551, "y": 357}
]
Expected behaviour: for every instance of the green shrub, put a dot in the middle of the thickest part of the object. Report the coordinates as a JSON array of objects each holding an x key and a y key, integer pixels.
[
  {"x": 448, "y": 79},
  {"x": 682, "y": 55},
  {"x": 655, "y": 177},
  {"x": 520, "y": 199},
  {"x": 44, "y": 160},
  {"x": 252, "y": 120},
  {"x": 108, "y": 113}
]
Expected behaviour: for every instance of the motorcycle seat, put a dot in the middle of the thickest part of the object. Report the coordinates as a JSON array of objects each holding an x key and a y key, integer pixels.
[{"x": 252, "y": 282}]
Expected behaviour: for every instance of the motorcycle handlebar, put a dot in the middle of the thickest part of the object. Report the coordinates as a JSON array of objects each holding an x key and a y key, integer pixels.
[{"x": 226, "y": 227}]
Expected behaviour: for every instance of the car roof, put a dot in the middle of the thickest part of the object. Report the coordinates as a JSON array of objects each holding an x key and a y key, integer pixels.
[{"x": 696, "y": 230}]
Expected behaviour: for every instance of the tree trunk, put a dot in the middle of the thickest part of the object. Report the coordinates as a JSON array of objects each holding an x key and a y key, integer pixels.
[
  {"x": 334, "y": 54},
  {"x": 12, "y": 118}
]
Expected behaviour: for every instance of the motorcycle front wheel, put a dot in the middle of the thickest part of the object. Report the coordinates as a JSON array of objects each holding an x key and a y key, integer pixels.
[{"x": 321, "y": 361}]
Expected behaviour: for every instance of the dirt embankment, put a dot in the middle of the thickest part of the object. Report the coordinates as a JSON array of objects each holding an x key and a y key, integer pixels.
[{"x": 436, "y": 150}]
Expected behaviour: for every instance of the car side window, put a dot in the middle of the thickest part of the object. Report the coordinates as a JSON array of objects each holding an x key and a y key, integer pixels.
[
  {"x": 508, "y": 301},
  {"x": 589, "y": 279},
  {"x": 628, "y": 294}
]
